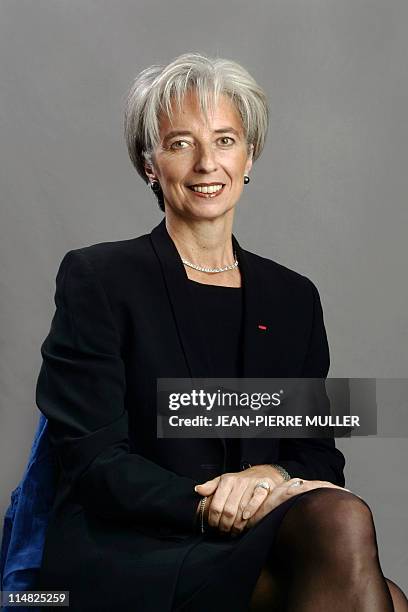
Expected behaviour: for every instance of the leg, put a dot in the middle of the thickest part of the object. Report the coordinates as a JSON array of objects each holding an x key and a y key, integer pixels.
[
  {"x": 268, "y": 595},
  {"x": 327, "y": 547},
  {"x": 398, "y": 598}
]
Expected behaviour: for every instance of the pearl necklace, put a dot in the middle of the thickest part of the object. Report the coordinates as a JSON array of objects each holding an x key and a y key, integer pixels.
[{"x": 202, "y": 269}]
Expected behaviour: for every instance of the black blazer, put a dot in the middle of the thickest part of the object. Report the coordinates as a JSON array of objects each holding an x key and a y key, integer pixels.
[{"x": 124, "y": 317}]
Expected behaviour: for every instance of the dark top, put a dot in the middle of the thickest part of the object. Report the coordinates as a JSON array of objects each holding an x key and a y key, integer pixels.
[{"x": 220, "y": 309}]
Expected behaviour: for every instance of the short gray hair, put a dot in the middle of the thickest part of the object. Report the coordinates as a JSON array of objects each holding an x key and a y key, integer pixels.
[{"x": 155, "y": 88}]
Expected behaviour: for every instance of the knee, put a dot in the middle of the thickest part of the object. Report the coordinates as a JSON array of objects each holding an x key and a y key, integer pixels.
[
  {"x": 398, "y": 597},
  {"x": 333, "y": 521}
]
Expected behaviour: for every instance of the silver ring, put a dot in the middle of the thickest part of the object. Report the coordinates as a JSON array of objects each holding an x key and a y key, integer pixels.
[
  {"x": 297, "y": 483},
  {"x": 263, "y": 484}
]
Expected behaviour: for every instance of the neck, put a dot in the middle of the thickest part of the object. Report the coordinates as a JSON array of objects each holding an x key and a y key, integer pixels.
[{"x": 206, "y": 242}]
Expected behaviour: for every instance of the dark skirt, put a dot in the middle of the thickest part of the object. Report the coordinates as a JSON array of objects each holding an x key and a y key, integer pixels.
[
  {"x": 220, "y": 573},
  {"x": 114, "y": 567}
]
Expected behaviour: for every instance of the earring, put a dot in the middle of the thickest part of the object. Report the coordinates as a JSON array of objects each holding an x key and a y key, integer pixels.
[
  {"x": 155, "y": 186},
  {"x": 246, "y": 179}
]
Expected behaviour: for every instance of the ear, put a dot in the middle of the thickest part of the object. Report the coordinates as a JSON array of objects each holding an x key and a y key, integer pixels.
[
  {"x": 248, "y": 165},
  {"x": 151, "y": 175}
]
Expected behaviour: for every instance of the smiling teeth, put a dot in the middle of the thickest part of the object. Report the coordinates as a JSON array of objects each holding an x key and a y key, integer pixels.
[{"x": 209, "y": 189}]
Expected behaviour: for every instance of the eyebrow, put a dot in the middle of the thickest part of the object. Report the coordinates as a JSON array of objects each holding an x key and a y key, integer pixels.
[{"x": 188, "y": 133}]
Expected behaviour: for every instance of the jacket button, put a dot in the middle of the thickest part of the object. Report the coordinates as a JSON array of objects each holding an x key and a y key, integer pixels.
[{"x": 245, "y": 465}]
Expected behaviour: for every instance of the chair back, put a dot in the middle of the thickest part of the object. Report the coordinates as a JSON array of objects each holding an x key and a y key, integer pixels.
[{"x": 27, "y": 516}]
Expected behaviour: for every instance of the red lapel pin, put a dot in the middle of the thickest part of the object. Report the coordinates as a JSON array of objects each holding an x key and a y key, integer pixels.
[{"x": 263, "y": 327}]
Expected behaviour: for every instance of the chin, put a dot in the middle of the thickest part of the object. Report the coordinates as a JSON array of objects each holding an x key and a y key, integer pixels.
[{"x": 212, "y": 210}]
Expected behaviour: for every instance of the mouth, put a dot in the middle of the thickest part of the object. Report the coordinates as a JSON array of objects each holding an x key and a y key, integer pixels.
[{"x": 207, "y": 191}]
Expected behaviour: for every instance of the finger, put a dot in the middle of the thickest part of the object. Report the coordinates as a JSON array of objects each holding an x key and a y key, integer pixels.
[
  {"x": 258, "y": 497},
  {"x": 325, "y": 483},
  {"x": 208, "y": 487},
  {"x": 239, "y": 523},
  {"x": 272, "y": 501},
  {"x": 246, "y": 498},
  {"x": 232, "y": 505},
  {"x": 218, "y": 501},
  {"x": 277, "y": 496},
  {"x": 295, "y": 486}
]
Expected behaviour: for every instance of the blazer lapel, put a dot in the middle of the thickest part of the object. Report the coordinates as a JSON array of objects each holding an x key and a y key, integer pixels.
[{"x": 179, "y": 291}]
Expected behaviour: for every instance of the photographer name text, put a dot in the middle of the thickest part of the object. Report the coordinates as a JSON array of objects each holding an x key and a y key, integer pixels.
[{"x": 266, "y": 421}]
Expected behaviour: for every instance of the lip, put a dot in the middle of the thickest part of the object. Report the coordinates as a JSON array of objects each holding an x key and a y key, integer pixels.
[
  {"x": 207, "y": 196},
  {"x": 206, "y": 184}
]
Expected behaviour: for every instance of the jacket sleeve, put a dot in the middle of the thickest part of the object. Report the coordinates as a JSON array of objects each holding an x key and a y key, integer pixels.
[
  {"x": 81, "y": 389},
  {"x": 314, "y": 458}
]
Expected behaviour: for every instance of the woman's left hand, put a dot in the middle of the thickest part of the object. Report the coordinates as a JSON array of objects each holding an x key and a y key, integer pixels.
[{"x": 233, "y": 491}]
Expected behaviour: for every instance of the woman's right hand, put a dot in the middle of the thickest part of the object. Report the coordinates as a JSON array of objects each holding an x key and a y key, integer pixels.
[{"x": 277, "y": 496}]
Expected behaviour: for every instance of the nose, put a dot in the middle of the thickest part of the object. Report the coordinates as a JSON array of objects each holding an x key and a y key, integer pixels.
[{"x": 206, "y": 159}]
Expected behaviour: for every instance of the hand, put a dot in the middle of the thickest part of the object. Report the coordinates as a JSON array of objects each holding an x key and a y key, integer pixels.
[
  {"x": 231, "y": 493},
  {"x": 283, "y": 492}
]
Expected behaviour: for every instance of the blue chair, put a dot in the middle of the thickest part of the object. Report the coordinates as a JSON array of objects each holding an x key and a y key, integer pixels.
[{"x": 27, "y": 516}]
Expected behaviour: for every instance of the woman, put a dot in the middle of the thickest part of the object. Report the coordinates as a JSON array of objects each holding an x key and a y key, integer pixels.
[{"x": 186, "y": 301}]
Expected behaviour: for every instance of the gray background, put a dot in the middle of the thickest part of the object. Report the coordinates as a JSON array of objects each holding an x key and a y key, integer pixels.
[{"x": 328, "y": 197}]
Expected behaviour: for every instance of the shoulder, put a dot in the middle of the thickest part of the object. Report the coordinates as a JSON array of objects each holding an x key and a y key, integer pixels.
[
  {"x": 113, "y": 253},
  {"x": 110, "y": 260},
  {"x": 276, "y": 275}
]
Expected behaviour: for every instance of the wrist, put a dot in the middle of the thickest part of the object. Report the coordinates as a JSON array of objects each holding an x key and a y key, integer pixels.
[
  {"x": 279, "y": 473},
  {"x": 283, "y": 474}
]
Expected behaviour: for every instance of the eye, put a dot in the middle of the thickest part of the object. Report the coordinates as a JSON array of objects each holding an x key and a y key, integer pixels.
[
  {"x": 225, "y": 138},
  {"x": 177, "y": 142}
]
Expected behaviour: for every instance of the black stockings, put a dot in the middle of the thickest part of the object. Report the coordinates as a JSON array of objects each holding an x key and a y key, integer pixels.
[{"x": 325, "y": 557}]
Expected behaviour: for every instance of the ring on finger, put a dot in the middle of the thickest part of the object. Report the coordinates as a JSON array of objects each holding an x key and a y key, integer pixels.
[
  {"x": 297, "y": 483},
  {"x": 264, "y": 484}
]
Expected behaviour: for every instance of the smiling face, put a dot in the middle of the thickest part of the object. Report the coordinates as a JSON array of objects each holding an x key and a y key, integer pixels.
[{"x": 212, "y": 157}]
